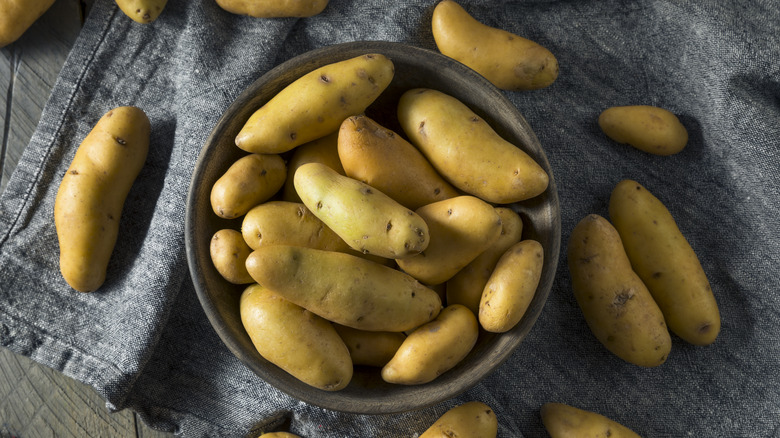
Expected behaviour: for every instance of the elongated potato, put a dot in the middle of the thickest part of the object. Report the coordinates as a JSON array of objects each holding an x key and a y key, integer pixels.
[
  {"x": 472, "y": 419},
  {"x": 509, "y": 61},
  {"x": 616, "y": 304},
  {"x": 142, "y": 11},
  {"x": 433, "y": 348},
  {"x": 288, "y": 223},
  {"x": 279, "y": 435},
  {"x": 323, "y": 150},
  {"x": 461, "y": 228},
  {"x": 294, "y": 339},
  {"x": 466, "y": 151},
  {"x": 563, "y": 421},
  {"x": 367, "y": 219},
  {"x": 274, "y": 8},
  {"x": 647, "y": 128},
  {"x": 467, "y": 285},
  {"x": 665, "y": 262},
  {"x": 249, "y": 181},
  {"x": 92, "y": 194},
  {"x": 344, "y": 289},
  {"x": 16, "y": 16},
  {"x": 314, "y": 105},
  {"x": 380, "y": 158},
  {"x": 228, "y": 253},
  {"x": 511, "y": 287},
  {"x": 370, "y": 348}
]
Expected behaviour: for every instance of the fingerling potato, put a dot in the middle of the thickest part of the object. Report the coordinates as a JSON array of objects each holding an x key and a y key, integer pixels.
[
  {"x": 142, "y": 11},
  {"x": 648, "y": 128},
  {"x": 252, "y": 179},
  {"x": 472, "y": 419},
  {"x": 16, "y": 16},
  {"x": 274, "y": 8},
  {"x": 322, "y": 150},
  {"x": 563, "y": 421},
  {"x": 228, "y": 253},
  {"x": 370, "y": 348}
]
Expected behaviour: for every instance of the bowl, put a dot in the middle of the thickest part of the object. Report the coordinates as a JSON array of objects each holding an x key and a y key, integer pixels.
[{"x": 415, "y": 67}]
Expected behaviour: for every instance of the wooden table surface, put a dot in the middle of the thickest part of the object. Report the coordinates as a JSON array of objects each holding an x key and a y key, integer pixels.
[{"x": 36, "y": 401}]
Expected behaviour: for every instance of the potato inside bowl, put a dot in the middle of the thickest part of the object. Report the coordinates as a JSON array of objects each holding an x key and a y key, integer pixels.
[{"x": 415, "y": 67}]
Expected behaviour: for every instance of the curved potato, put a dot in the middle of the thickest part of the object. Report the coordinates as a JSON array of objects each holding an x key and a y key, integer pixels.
[
  {"x": 647, "y": 128},
  {"x": 466, "y": 151},
  {"x": 616, "y": 304},
  {"x": 433, "y": 348},
  {"x": 92, "y": 194},
  {"x": 16, "y": 16},
  {"x": 509, "y": 61},
  {"x": 665, "y": 262},
  {"x": 228, "y": 253},
  {"x": 472, "y": 419},
  {"x": 274, "y": 8},
  {"x": 294, "y": 339},
  {"x": 315, "y": 104},
  {"x": 323, "y": 150},
  {"x": 370, "y": 348},
  {"x": 563, "y": 421},
  {"x": 344, "y": 289},
  {"x": 249, "y": 181},
  {"x": 142, "y": 11}
]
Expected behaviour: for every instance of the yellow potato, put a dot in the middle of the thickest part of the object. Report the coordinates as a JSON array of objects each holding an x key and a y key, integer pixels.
[
  {"x": 511, "y": 287},
  {"x": 380, "y": 158},
  {"x": 466, "y": 151},
  {"x": 279, "y": 435},
  {"x": 647, "y": 128},
  {"x": 461, "y": 228},
  {"x": 288, "y": 223},
  {"x": 294, "y": 339},
  {"x": 467, "y": 285},
  {"x": 315, "y": 104},
  {"x": 92, "y": 194},
  {"x": 228, "y": 253},
  {"x": 344, "y": 289},
  {"x": 370, "y": 348},
  {"x": 142, "y": 11},
  {"x": 665, "y": 262},
  {"x": 433, "y": 348},
  {"x": 563, "y": 421},
  {"x": 616, "y": 304},
  {"x": 507, "y": 60},
  {"x": 274, "y": 8},
  {"x": 249, "y": 181},
  {"x": 16, "y": 16},
  {"x": 323, "y": 150},
  {"x": 367, "y": 219},
  {"x": 472, "y": 419}
]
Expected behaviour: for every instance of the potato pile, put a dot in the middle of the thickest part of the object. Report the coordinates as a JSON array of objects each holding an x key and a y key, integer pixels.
[{"x": 360, "y": 247}]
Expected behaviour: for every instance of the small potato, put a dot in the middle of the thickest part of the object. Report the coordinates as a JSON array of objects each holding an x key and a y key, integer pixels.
[
  {"x": 511, "y": 287},
  {"x": 507, "y": 60},
  {"x": 461, "y": 228},
  {"x": 370, "y": 348},
  {"x": 563, "y": 421},
  {"x": 367, "y": 219},
  {"x": 288, "y": 223},
  {"x": 344, "y": 289},
  {"x": 380, "y": 158},
  {"x": 92, "y": 194},
  {"x": 434, "y": 348},
  {"x": 249, "y": 181},
  {"x": 16, "y": 16},
  {"x": 315, "y": 104},
  {"x": 616, "y": 304},
  {"x": 473, "y": 419},
  {"x": 274, "y": 8},
  {"x": 665, "y": 262},
  {"x": 228, "y": 253},
  {"x": 294, "y": 339},
  {"x": 466, "y": 151},
  {"x": 467, "y": 285},
  {"x": 647, "y": 128},
  {"x": 324, "y": 150},
  {"x": 142, "y": 11}
]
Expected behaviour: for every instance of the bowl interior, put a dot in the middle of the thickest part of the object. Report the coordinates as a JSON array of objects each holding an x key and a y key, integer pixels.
[{"x": 414, "y": 67}]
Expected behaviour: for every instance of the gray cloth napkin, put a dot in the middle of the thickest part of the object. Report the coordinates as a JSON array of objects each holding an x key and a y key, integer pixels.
[{"x": 144, "y": 342}]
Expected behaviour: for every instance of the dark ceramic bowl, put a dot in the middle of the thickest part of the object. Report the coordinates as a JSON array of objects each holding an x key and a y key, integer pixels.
[{"x": 414, "y": 67}]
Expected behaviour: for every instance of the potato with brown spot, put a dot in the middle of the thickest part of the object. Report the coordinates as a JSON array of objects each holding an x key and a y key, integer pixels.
[
  {"x": 370, "y": 348},
  {"x": 142, "y": 11},
  {"x": 564, "y": 421},
  {"x": 648, "y": 128},
  {"x": 16, "y": 16},
  {"x": 472, "y": 419},
  {"x": 323, "y": 150},
  {"x": 274, "y": 8},
  {"x": 249, "y": 181},
  {"x": 228, "y": 253}
]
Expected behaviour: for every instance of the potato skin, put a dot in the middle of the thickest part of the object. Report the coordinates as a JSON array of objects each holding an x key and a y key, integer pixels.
[
  {"x": 648, "y": 128},
  {"x": 274, "y": 8},
  {"x": 473, "y": 419},
  {"x": 228, "y": 253},
  {"x": 288, "y": 223},
  {"x": 315, "y": 104},
  {"x": 616, "y": 304},
  {"x": 344, "y": 289},
  {"x": 323, "y": 150},
  {"x": 563, "y": 421},
  {"x": 16, "y": 16},
  {"x": 142, "y": 11},
  {"x": 252, "y": 179},
  {"x": 92, "y": 194},
  {"x": 370, "y": 348},
  {"x": 294, "y": 339},
  {"x": 665, "y": 262},
  {"x": 509, "y": 61},
  {"x": 466, "y": 151}
]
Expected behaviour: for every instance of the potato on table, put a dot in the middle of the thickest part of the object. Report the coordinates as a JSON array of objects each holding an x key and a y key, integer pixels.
[
  {"x": 92, "y": 194},
  {"x": 323, "y": 150},
  {"x": 564, "y": 421},
  {"x": 472, "y": 419},
  {"x": 274, "y": 8},
  {"x": 249, "y": 181},
  {"x": 648, "y": 128},
  {"x": 142, "y": 11},
  {"x": 16, "y": 16}
]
